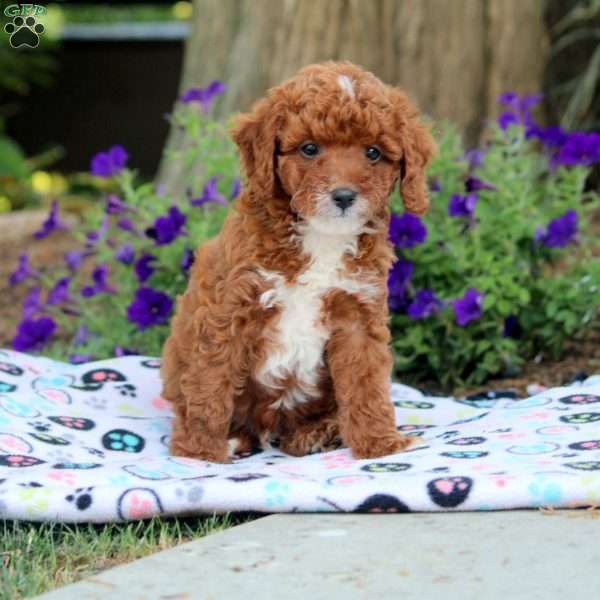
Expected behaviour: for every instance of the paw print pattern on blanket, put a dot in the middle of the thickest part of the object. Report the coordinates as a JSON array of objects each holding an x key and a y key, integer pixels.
[{"x": 89, "y": 443}]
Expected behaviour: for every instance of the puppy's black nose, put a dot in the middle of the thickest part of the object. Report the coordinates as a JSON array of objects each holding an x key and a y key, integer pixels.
[{"x": 343, "y": 197}]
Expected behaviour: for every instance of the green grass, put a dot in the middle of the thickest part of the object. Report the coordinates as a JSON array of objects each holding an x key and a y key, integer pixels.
[{"x": 37, "y": 557}]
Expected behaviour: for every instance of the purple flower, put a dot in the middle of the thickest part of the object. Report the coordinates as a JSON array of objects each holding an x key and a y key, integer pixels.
[
  {"x": 101, "y": 285},
  {"x": 123, "y": 351},
  {"x": 236, "y": 188},
  {"x": 434, "y": 185},
  {"x": 32, "y": 303},
  {"x": 462, "y": 206},
  {"x": 474, "y": 184},
  {"x": 560, "y": 232},
  {"x": 125, "y": 254},
  {"x": 474, "y": 157},
  {"x": 209, "y": 194},
  {"x": 115, "y": 206},
  {"x": 398, "y": 277},
  {"x": 59, "y": 294},
  {"x": 79, "y": 359},
  {"x": 109, "y": 163},
  {"x": 74, "y": 258},
  {"x": 424, "y": 305},
  {"x": 82, "y": 335},
  {"x": 579, "y": 149},
  {"x": 142, "y": 267},
  {"x": 506, "y": 119},
  {"x": 205, "y": 96},
  {"x": 33, "y": 334},
  {"x": 97, "y": 235},
  {"x": 406, "y": 231},
  {"x": 23, "y": 271},
  {"x": 187, "y": 260},
  {"x": 512, "y": 327},
  {"x": 550, "y": 137},
  {"x": 126, "y": 224},
  {"x": 520, "y": 109},
  {"x": 168, "y": 228},
  {"x": 469, "y": 307},
  {"x": 51, "y": 223},
  {"x": 150, "y": 307}
]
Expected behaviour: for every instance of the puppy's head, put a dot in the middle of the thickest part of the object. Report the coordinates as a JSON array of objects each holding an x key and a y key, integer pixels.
[{"x": 331, "y": 143}]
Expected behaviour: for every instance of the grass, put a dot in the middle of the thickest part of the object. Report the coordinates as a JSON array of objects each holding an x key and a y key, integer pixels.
[{"x": 37, "y": 557}]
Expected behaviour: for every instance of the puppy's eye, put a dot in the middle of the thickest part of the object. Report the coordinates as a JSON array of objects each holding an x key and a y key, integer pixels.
[
  {"x": 309, "y": 150},
  {"x": 373, "y": 153}
]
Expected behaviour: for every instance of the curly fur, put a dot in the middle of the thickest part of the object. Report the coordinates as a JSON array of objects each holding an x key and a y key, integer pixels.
[{"x": 282, "y": 332}]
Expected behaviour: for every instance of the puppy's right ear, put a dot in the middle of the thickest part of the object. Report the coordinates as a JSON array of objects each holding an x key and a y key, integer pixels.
[{"x": 255, "y": 134}]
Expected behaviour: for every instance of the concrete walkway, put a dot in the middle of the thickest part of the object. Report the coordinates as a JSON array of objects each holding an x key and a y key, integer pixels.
[{"x": 512, "y": 555}]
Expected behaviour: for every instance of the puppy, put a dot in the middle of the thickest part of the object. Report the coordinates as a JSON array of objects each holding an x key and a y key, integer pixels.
[{"x": 282, "y": 332}]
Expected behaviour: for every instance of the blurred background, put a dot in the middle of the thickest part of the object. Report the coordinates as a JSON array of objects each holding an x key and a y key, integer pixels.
[{"x": 110, "y": 72}]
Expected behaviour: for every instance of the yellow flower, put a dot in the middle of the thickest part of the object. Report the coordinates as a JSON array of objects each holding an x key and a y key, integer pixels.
[
  {"x": 5, "y": 204},
  {"x": 41, "y": 182},
  {"x": 182, "y": 10}
]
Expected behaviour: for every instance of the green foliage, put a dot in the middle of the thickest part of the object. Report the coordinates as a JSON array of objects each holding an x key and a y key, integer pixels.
[{"x": 554, "y": 293}]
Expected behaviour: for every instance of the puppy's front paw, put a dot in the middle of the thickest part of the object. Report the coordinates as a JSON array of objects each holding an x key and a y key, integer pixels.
[
  {"x": 214, "y": 453},
  {"x": 381, "y": 446}
]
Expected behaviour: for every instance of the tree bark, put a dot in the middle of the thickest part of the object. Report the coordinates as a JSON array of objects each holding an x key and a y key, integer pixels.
[{"x": 453, "y": 57}]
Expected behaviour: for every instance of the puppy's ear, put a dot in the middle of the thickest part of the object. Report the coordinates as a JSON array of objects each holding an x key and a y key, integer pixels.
[
  {"x": 255, "y": 134},
  {"x": 418, "y": 148}
]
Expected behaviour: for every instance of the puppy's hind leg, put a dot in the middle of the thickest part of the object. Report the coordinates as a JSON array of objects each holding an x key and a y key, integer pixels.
[{"x": 317, "y": 436}]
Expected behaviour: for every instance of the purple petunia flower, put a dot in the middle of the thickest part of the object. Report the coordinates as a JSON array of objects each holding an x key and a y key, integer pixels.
[
  {"x": 23, "y": 271},
  {"x": 560, "y": 232},
  {"x": 506, "y": 119},
  {"x": 520, "y": 109},
  {"x": 406, "y": 231},
  {"x": 96, "y": 236},
  {"x": 82, "y": 335},
  {"x": 125, "y": 254},
  {"x": 424, "y": 305},
  {"x": 512, "y": 327},
  {"x": 205, "y": 96},
  {"x": 462, "y": 206},
  {"x": 236, "y": 188},
  {"x": 209, "y": 194},
  {"x": 398, "y": 277},
  {"x": 550, "y": 137},
  {"x": 187, "y": 260},
  {"x": 474, "y": 157},
  {"x": 126, "y": 224},
  {"x": 115, "y": 206},
  {"x": 32, "y": 303},
  {"x": 59, "y": 294},
  {"x": 579, "y": 148},
  {"x": 52, "y": 223},
  {"x": 123, "y": 351},
  {"x": 74, "y": 259},
  {"x": 469, "y": 307},
  {"x": 149, "y": 307},
  {"x": 142, "y": 267},
  {"x": 79, "y": 359},
  {"x": 109, "y": 163},
  {"x": 33, "y": 334},
  {"x": 474, "y": 184},
  {"x": 168, "y": 228},
  {"x": 101, "y": 285}
]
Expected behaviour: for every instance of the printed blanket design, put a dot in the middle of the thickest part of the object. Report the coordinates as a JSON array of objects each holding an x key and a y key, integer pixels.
[{"x": 89, "y": 443}]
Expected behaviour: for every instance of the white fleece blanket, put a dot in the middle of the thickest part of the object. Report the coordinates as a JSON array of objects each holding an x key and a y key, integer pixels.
[{"x": 89, "y": 443}]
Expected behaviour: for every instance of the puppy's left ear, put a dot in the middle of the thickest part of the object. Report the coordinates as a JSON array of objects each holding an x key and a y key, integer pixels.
[
  {"x": 418, "y": 148},
  {"x": 255, "y": 134}
]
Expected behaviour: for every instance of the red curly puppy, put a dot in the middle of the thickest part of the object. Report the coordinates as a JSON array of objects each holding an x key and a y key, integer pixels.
[{"x": 282, "y": 332}]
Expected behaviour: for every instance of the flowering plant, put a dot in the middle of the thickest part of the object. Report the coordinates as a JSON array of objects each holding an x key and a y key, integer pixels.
[{"x": 501, "y": 268}]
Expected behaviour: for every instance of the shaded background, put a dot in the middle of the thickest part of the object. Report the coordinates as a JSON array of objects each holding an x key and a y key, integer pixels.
[{"x": 115, "y": 69}]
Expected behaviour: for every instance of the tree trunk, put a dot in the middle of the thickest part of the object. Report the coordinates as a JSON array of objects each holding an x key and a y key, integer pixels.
[{"x": 453, "y": 57}]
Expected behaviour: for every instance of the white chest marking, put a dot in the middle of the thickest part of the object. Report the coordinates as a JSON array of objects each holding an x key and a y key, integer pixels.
[{"x": 299, "y": 336}]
